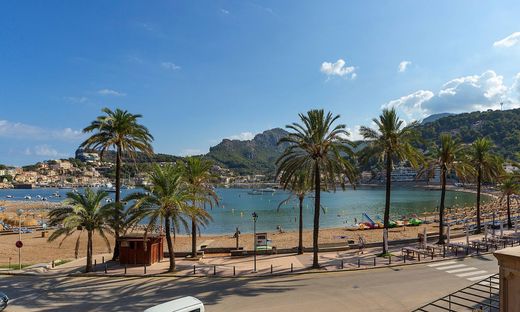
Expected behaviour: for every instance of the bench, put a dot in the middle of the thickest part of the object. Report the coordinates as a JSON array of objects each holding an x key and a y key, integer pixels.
[{"x": 415, "y": 252}]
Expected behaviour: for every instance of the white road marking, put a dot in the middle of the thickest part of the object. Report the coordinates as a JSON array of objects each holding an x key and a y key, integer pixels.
[
  {"x": 441, "y": 263},
  {"x": 451, "y": 267},
  {"x": 461, "y": 270},
  {"x": 471, "y": 273},
  {"x": 476, "y": 278}
]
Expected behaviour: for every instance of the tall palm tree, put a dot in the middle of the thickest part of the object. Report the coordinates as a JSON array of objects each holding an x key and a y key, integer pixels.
[
  {"x": 449, "y": 157},
  {"x": 390, "y": 142},
  {"x": 83, "y": 212},
  {"x": 319, "y": 148},
  {"x": 120, "y": 130},
  {"x": 165, "y": 199},
  {"x": 509, "y": 186},
  {"x": 196, "y": 171},
  {"x": 487, "y": 167},
  {"x": 299, "y": 185}
]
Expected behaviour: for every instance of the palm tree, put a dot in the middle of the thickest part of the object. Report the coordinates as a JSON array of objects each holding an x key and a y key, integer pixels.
[
  {"x": 390, "y": 142},
  {"x": 165, "y": 199},
  {"x": 300, "y": 185},
  {"x": 448, "y": 157},
  {"x": 196, "y": 171},
  {"x": 487, "y": 166},
  {"x": 321, "y": 150},
  {"x": 83, "y": 212},
  {"x": 510, "y": 186},
  {"x": 121, "y": 131}
]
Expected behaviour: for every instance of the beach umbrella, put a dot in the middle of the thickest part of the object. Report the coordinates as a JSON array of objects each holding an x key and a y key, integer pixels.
[{"x": 501, "y": 228}]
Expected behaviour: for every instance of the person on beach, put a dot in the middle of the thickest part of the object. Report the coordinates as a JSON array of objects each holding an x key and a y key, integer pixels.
[{"x": 361, "y": 244}]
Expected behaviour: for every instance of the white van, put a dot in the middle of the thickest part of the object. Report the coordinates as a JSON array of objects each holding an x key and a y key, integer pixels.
[{"x": 185, "y": 304}]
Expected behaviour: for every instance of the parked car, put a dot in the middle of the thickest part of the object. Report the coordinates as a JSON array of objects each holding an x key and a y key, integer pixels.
[
  {"x": 185, "y": 304},
  {"x": 3, "y": 301}
]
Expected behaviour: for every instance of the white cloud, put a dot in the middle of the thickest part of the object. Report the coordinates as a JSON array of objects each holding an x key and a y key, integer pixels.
[
  {"x": 47, "y": 151},
  {"x": 508, "y": 41},
  {"x": 354, "y": 133},
  {"x": 170, "y": 66},
  {"x": 110, "y": 92},
  {"x": 224, "y": 11},
  {"x": 75, "y": 99},
  {"x": 19, "y": 130},
  {"x": 403, "y": 66},
  {"x": 469, "y": 93},
  {"x": 242, "y": 136},
  {"x": 191, "y": 152},
  {"x": 338, "y": 68}
]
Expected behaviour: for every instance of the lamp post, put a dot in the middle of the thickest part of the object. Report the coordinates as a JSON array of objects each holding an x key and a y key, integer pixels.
[
  {"x": 255, "y": 217},
  {"x": 19, "y": 212}
]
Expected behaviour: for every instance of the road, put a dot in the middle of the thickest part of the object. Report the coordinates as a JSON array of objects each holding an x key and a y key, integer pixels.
[{"x": 385, "y": 289}]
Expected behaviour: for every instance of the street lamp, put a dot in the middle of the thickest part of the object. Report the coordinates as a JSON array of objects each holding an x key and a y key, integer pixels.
[
  {"x": 255, "y": 217},
  {"x": 19, "y": 212}
]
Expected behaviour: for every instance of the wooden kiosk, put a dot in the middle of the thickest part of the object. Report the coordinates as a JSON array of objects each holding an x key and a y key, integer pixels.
[{"x": 131, "y": 249}]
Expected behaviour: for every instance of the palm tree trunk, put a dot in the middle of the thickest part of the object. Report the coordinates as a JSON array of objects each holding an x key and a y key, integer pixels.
[
  {"x": 300, "y": 227},
  {"x": 509, "y": 223},
  {"x": 479, "y": 181},
  {"x": 441, "y": 207},
  {"x": 116, "y": 229},
  {"x": 316, "y": 230},
  {"x": 193, "y": 237},
  {"x": 386, "y": 220},
  {"x": 89, "y": 252},
  {"x": 170, "y": 244}
]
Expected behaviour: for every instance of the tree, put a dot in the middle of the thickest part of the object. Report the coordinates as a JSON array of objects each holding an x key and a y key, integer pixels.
[
  {"x": 448, "y": 157},
  {"x": 299, "y": 185},
  {"x": 83, "y": 212},
  {"x": 487, "y": 167},
  {"x": 320, "y": 149},
  {"x": 165, "y": 199},
  {"x": 390, "y": 142},
  {"x": 509, "y": 186},
  {"x": 121, "y": 131},
  {"x": 196, "y": 171}
]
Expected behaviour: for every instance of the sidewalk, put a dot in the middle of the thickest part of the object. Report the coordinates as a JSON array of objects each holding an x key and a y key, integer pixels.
[{"x": 226, "y": 266}]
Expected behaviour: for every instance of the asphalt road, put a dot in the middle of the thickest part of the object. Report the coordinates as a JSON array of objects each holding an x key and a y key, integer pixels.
[{"x": 386, "y": 289}]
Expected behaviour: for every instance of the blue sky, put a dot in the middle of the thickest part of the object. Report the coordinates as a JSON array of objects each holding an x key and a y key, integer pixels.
[{"x": 201, "y": 71}]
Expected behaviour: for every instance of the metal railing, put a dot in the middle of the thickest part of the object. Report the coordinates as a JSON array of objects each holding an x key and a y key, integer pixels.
[{"x": 481, "y": 296}]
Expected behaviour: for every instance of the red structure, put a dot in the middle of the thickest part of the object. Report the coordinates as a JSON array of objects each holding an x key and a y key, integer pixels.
[{"x": 131, "y": 249}]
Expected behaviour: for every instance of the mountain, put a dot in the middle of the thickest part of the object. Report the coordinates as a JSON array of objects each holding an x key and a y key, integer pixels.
[
  {"x": 502, "y": 127},
  {"x": 435, "y": 117},
  {"x": 250, "y": 156}
]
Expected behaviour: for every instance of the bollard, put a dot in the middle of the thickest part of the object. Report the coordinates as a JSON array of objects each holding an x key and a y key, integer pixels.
[
  {"x": 358, "y": 262},
  {"x": 389, "y": 259},
  {"x": 342, "y": 264},
  {"x": 93, "y": 269},
  {"x": 292, "y": 269},
  {"x": 10, "y": 263},
  {"x": 419, "y": 257},
  {"x": 194, "y": 269},
  {"x": 374, "y": 261},
  {"x": 467, "y": 251},
  {"x": 271, "y": 269},
  {"x": 103, "y": 259},
  {"x": 214, "y": 270},
  {"x": 145, "y": 269},
  {"x": 234, "y": 272},
  {"x": 444, "y": 251},
  {"x": 106, "y": 269},
  {"x": 478, "y": 250},
  {"x": 404, "y": 258},
  {"x": 125, "y": 268},
  {"x": 432, "y": 254},
  {"x": 456, "y": 252}
]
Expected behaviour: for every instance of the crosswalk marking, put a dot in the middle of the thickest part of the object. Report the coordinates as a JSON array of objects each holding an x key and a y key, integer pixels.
[
  {"x": 476, "y": 278},
  {"x": 471, "y": 273},
  {"x": 450, "y": 267},
  {"x": 442, "y": 263},
  {"x": 461, "y": 270}
]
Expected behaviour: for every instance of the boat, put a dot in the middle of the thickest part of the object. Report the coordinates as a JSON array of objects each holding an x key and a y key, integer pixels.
[
  {"x": 254, "y": 192},
  {"x": 8, "y": 196},
  {"x": 27, "y": 197},
  {"x": 267, "y": 190},
  {"x": 56, "y": 194}
]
